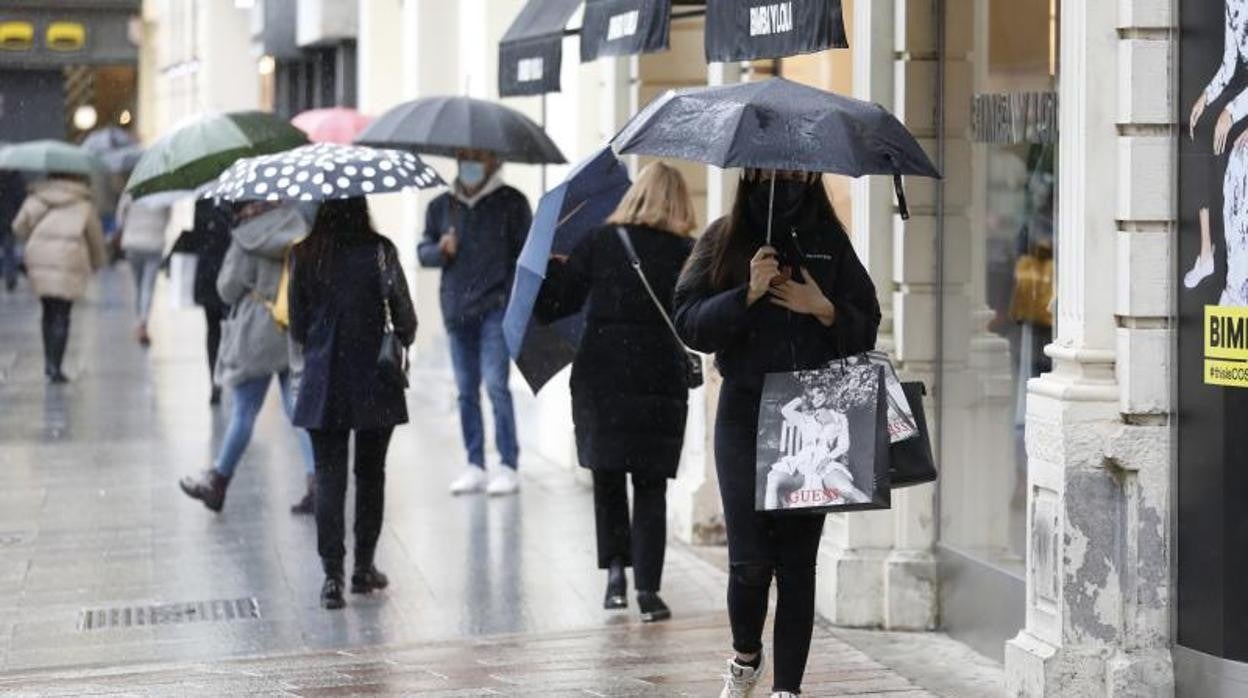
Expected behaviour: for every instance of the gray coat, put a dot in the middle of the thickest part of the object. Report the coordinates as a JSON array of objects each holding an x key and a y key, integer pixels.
[{"x": 252, "y": 345}]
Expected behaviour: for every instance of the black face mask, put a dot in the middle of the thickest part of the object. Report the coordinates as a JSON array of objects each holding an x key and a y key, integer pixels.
[{"x": 791, "y": 196}]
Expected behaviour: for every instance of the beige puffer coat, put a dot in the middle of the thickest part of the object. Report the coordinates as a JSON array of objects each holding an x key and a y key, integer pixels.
[{"x": 64, "y": 241}]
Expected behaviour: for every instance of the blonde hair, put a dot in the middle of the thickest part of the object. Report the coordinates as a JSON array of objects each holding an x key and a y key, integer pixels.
[{"x": 658, "y": 199}]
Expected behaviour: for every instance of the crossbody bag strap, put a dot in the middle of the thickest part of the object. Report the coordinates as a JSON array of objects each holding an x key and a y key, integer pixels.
[{"x": 635, "y": 262}]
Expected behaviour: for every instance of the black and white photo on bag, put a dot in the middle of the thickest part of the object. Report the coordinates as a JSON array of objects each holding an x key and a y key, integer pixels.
[
  {"x": 901, "y": 424},
  {"x": 806, "y": 453}
]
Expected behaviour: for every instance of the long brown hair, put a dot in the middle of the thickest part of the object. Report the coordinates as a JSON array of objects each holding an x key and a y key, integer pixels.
[{"x": 736, "y": 243}]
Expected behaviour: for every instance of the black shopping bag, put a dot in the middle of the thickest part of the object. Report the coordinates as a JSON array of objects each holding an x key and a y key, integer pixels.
[
  {"x": 911, "y": 459},
  {"x": 823, "y": 441}
]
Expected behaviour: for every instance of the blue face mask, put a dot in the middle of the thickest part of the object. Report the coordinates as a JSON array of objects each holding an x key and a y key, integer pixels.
[{"x": 471, "y": 173}]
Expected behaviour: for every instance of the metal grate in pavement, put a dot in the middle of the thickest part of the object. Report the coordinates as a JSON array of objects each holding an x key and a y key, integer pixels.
[{"x": 220, "y": 610}]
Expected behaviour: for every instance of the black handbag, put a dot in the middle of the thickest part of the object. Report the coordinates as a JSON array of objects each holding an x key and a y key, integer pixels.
[
  {"x": 392, "y": 362},
  {"x": 694, "y": 378},
  {"x": 912, "y": 462}
]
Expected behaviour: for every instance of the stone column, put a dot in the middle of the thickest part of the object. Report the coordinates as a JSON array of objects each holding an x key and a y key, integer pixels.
[{"x": 1098, "y": 591}]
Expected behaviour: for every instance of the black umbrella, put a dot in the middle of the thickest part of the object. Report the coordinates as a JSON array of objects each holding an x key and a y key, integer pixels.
[
  {"x": 776, "y": 124},
  {"x": 445, "y": 125},
  {"x": 322, "y": 171}
]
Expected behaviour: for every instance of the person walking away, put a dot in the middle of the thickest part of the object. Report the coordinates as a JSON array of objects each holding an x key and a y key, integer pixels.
[
  {"x": 12, "y": 193},
  {"x": 211, "y": 229},
  {"x": 793, "y": 305},
  {"x": 143, "y": 229},
  {"x": 474, "y": 233},
  {"x": 346, "y": 283},
  {"x": 254, "y": 348},
  {"x": 64, "y": 245},
  {"x": 629, "y": 387}
]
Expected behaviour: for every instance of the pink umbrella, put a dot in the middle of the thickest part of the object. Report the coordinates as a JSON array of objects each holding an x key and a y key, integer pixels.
[{"x": 335, "y": 125}]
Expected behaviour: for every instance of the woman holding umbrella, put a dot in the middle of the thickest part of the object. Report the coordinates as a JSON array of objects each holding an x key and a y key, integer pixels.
[
  {"x": 629, "y": 389},
  {"x": 793, "y": 305}
]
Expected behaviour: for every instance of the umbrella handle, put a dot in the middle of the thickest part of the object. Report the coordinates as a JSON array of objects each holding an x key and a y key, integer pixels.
[{"x": 771, "y": 203}]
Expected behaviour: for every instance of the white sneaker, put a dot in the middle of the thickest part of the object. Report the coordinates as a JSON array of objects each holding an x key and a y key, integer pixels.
[
  {"x": 740, "y": 679},
  {"x": 783, "y": 694},
  {"x": 504, "y": 483},
  {"x": 472, "y": 480},
  {"x": 1201, "y": 268}
]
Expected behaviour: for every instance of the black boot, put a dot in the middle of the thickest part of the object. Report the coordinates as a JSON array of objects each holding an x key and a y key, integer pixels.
[
  {"x": 652, "y": 607},
  {"x": 366, "y": 580},
  {"x": 331, "y": 593},
  {"x": 617, "y": 586},
  {"x": 307, "y": 505},
  {"x": 208, "y": 488}
]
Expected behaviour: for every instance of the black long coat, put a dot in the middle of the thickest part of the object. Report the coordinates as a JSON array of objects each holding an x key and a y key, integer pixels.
[
  {"x": 629, "y": 397},
  {"x": 339, "y": 323}
]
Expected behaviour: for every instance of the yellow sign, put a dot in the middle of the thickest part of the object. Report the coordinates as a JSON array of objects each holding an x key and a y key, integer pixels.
[{"x": 1226, "y": 346}]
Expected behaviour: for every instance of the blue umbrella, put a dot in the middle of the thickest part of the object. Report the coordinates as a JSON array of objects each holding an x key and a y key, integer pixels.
[{"x": 564, "y": 216}]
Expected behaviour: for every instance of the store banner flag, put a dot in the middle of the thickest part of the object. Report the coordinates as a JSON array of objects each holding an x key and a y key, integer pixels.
[
  {"x": 530, "y": 55},
  {"x": 823, "y": 441},
  {"x": 625, "y": 28},
  {"x": 737, "y": 30}
]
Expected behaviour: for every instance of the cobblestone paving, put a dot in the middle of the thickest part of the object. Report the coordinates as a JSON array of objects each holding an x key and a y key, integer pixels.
[{"x": 488, "y": 597}]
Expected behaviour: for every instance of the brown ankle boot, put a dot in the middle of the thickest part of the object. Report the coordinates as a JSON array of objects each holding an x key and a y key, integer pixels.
[
  {"x": 307, "y": 505},
  {"x": 208, "y": 488}
]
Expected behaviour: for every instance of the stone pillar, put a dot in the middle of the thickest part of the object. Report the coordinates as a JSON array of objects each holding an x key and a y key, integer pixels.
[{"x": 1098, "y": 589}]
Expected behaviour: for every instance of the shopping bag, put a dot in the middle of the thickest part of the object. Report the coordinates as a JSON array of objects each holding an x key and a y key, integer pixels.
[
  {"x": 823, "y": 441},
  {"x": 182, "y": 280},
  {"x": 901, "y": 424},
  {"x": 911, "y": 461}
]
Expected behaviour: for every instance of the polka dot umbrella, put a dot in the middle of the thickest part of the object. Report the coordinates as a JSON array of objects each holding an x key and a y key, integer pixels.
[{"x": 320, "y": 172}]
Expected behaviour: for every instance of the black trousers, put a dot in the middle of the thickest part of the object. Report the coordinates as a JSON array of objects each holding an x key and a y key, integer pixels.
[
  {"x": 213, "y": 315},
  {"x": 762, "y": 546},
  {"x": 641, "y": 544},
  {"x": 55, "y": 326},
  {"x": 330, "y": 449}
]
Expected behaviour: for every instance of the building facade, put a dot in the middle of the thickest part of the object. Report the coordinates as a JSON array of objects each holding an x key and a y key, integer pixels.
[{"x": 1048, "y": 542}]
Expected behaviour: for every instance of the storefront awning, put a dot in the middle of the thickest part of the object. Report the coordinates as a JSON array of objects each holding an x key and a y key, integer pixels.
[
  {"x": 531, "y": 52},
  {"x": 625, "y": 27},
  {"x": 744, "y": 30}
]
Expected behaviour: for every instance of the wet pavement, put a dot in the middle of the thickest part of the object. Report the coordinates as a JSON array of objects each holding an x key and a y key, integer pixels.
[{"x": 487, "y": 597}]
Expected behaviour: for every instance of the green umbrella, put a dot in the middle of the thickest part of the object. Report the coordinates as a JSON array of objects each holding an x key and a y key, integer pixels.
[
  {"x": 200, "y": 151},
  {"x": 49, "y": 156}
]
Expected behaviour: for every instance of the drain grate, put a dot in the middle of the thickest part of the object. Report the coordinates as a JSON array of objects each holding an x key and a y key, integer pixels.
[{"x": 221, "y": 610}]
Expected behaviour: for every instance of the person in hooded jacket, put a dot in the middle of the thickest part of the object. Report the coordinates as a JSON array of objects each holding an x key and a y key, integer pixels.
[
  {"x": 345, "y": 281},
  {"x": 64, "y": 245},
  {"x": 254, "y": 348},
  {"x": 629, "y": 385},
  {"x": 211, "y": 228},
  {"x": 474, "y": 233},
  {"x": 143, "y": 228},
  {"x": 791, "y": 305}
]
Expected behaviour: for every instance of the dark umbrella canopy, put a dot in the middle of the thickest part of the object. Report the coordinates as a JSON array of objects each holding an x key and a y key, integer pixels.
[
  {"x": 444, "y": 125},
  {"x": 564, "y": 215}
]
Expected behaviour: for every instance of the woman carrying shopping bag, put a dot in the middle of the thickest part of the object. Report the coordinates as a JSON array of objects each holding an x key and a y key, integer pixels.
[
  {"x": 352, "y": 315},
  {"x": 790, "y": 306},
  {"x": 629, "y": 386}
]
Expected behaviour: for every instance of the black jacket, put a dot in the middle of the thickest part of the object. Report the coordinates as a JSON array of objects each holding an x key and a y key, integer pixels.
[
  {"x": 629, "y": 398},
  {"x": 751, "y": 341},
  {"x": 211, "y": 240},
  {"x": 339, "y": 323},
  {"x": 491, "y": 234}
]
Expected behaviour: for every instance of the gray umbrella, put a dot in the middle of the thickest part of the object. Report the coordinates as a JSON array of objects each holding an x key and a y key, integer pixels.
[
  {"x": 444, "y": 125},
  {"x": 776, "y": 124}
]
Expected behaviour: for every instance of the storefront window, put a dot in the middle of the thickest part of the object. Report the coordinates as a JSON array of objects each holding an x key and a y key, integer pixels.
[{"x": 998, "y": 272}]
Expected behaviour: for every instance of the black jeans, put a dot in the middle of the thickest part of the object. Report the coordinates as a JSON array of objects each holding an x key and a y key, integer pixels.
[
  {"x": 762, "y": 546},
  {"x": 330, "y": 449},
  {"x": 641, "y": 544},
  {"x": 55, "y": 326},
  {"x": 213, "y": 315}
]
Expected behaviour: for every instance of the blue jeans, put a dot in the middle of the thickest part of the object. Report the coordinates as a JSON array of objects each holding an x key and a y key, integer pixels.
[
  {"x": 248, "y": 399},
  {"x": 478, "y": 349},
  {"x": 146, "y": 266}
]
